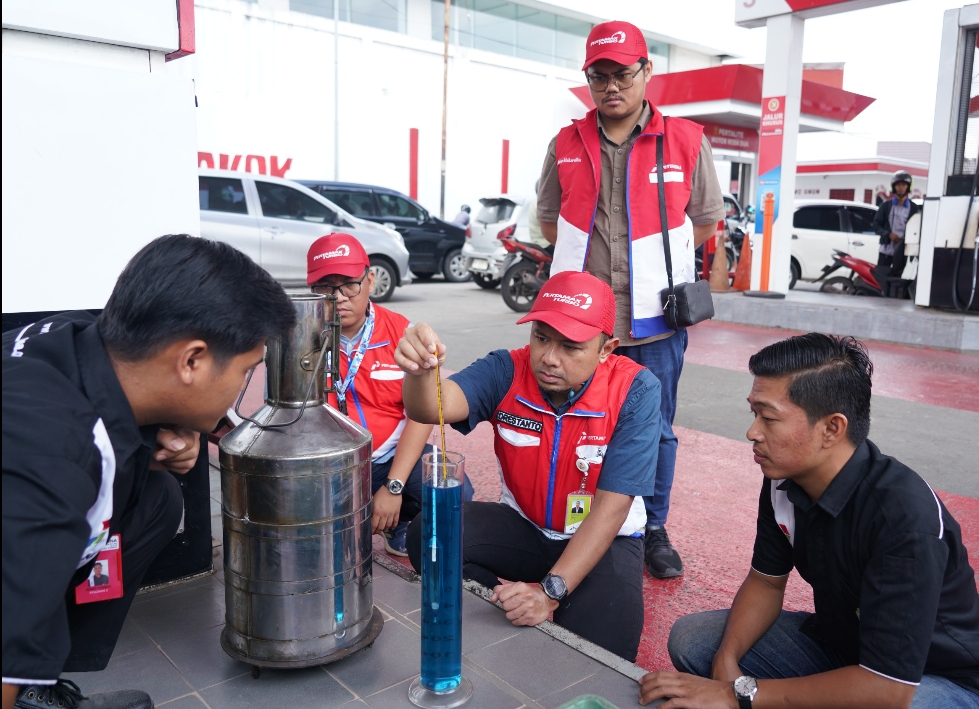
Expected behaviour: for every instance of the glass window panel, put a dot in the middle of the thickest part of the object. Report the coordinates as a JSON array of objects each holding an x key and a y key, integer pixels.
[
  {"x": 221, "y": 194},
  {"x": 819, "y": 218},
  {"x": 659, "y": 55},
  {"x": 495, "y": 26},
  {"x": 355, "y": 202},
  {"x": 862, "y": 220},
  {"x": 495, "y": 210},
  {"x": 393, "y": 206},
  {"x": 323, "y": 8},
  {"x": 535, "y": 34},
  {"x": 281, "y": 202},
  {"x": 569, "y": 48}
]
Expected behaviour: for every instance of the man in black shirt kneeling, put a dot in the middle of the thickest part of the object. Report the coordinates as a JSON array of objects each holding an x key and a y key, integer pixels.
[
  {"x": 897, "y": 612},
  {"x": 94, "y": 412}
]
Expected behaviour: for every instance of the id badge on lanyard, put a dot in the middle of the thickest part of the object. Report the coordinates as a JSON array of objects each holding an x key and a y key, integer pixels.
[
  {"x": 104, "y": 582},
  {"x": 579, "y": 501},
  {"x": 355, "y": 362}
]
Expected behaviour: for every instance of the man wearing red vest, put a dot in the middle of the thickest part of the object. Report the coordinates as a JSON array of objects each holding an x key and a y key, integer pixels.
[
  {"x": 598, "y": 204},
  {"x": 369, "y": 390},
  {"x": 575, "y": 429}
]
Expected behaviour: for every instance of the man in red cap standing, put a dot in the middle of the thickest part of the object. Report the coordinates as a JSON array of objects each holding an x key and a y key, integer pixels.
[
  {"x": 369, "y": 390},
  {"x": 575, "y": 428},
  {"x": 598, "y": 203}
]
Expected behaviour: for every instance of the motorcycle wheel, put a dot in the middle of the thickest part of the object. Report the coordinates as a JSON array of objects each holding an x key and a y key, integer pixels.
[
  {"x": 485, "y": 281},
  {"x": 839, "y": 284},
  {"x": 519, "y": 292}
]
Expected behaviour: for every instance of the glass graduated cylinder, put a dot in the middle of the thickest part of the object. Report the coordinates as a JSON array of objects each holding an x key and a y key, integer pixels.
[{"x": 441, "y": 611}]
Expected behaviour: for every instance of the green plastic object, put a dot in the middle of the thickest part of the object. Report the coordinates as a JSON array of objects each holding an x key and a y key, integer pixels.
[{"x": 588, "y": 701}]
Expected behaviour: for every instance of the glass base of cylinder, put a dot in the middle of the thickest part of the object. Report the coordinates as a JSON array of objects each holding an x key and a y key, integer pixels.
[{"x": 427, "y": 699}]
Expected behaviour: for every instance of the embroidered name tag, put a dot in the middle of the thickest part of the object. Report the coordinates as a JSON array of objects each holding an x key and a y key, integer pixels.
[{"x": 519, "y": 422}]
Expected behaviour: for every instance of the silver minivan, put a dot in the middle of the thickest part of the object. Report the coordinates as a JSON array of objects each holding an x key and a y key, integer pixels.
[
  {"x": 275, "y": 221},
  {"x": 484, "y": 254}
]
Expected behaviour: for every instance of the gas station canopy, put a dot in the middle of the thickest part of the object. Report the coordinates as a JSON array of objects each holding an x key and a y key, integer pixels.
[{"x": 730, "y": 97}]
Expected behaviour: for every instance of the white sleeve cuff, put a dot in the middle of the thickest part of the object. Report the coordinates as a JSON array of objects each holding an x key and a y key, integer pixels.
[
  {"x": 895, "y": 679},
  {"x": 18, "y": 680}
]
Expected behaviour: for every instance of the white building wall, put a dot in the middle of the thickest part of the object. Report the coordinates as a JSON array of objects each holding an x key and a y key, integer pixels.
[
  {"x": 818, "y": 186},
  {"x": 264, "y": 82},
  {"x": 98, "y": 151}
]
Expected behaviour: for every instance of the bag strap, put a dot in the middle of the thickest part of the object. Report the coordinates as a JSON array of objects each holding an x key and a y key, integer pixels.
[{"x": 664, "y": 224}]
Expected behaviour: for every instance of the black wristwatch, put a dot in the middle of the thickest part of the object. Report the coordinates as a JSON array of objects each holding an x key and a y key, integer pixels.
[
  {"x": 395, "y": 487},
  {"x": 745, "y": 689},
  {"x": 555, "y": 587}
]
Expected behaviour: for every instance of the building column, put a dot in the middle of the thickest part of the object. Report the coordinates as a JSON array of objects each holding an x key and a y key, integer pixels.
[
  {"x": 419, "y": 21},
  {"x": 781, "y": 104}
]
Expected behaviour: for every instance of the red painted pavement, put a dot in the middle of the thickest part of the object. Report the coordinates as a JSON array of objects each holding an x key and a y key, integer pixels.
[{"x": 921, "y": 374}]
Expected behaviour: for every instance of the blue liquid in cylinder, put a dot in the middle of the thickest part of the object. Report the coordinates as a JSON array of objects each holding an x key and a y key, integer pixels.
[{"x": 441, "y": 610}]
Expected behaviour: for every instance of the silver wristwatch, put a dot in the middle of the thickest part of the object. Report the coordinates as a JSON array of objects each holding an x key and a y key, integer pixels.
[
  {"x": 745, "y": 689},
  {"x": 395, "y": 487}
]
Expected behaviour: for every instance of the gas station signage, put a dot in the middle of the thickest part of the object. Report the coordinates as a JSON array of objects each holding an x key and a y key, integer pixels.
[
  {"x": 754, "y": 13},
  {"x": 725, "y": 137}
]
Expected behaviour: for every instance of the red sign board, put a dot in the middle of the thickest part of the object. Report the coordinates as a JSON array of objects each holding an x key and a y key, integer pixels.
[{"x": 730, "y": 137}]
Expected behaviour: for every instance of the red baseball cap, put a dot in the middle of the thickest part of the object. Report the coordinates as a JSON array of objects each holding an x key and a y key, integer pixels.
[
  {"x": 618, "y": 41},
  {"x": 577, "y": 305},
  {"x": 335, "y": 254}
]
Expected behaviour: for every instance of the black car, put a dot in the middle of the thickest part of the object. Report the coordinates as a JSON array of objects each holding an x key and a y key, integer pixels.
[{"x": 434, "y": 245}]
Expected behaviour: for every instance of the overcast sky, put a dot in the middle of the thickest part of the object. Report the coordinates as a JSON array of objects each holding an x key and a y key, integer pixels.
[{"x": 891, "y": 54}]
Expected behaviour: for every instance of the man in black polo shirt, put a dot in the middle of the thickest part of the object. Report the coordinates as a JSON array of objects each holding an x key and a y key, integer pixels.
[
  {"x": 897, "y": 613},
  {"x": 83, "y": 448}
]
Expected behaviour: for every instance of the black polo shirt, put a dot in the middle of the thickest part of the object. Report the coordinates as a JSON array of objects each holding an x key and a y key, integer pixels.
[
  {"x": 67, "y": 425},
  {"x": 893, "y": 589}
]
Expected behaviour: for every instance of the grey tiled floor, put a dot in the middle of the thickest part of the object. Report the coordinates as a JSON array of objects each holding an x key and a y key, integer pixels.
[{"x": 170, "y": 648}]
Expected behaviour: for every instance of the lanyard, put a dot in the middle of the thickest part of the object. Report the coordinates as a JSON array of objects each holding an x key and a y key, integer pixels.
[{"x": 355, "y": 361}]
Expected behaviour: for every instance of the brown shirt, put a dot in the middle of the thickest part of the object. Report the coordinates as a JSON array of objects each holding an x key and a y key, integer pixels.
[{"x": 608, "y": 252}]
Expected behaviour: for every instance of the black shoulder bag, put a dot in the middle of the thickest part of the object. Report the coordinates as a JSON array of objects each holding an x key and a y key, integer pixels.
[{"x": 688, "y": 303}]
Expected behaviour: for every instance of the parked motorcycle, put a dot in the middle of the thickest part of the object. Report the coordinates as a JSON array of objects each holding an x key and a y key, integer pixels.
[
  {"x": 863, "y": 278},
  {"x": 525, "y": 270}
]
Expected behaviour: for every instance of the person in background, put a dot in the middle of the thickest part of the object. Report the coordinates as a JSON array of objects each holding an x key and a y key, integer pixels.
[
  {"x": 369, "y": 390},
  {"x": 462, "y": 218},
  {"x": 572, "y": 422},
  {"x": 896, "y": 620},
  {"x": 890, "y": 223},
  {"x": 84, "y": 454},
  {"x": 603, "y": 218}
]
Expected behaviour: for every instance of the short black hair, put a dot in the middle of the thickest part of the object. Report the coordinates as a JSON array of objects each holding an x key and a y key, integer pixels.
[
  {"x": 180, "y": 286},
  {"x": 829, "y": 375}
]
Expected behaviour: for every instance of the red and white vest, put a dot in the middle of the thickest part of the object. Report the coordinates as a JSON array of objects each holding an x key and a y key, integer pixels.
[
  {"x": 537, "y": 479},
  {"x": 579, "y": 163},
  {"x": 374, "y": 397}
]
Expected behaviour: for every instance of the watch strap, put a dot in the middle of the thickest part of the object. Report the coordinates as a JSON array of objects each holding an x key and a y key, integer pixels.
[{"x": 744, "y": 702}]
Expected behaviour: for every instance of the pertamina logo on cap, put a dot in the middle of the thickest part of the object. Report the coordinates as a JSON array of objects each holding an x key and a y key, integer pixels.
[
  {"x": 580, "y": 300},
  {"x": 614, "y": 38},
  {"x": 341, "y": 251}
]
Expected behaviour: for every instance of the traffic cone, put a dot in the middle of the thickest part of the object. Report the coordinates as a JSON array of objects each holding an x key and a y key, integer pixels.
[
  {"x": 719, "y": 282},
  {"x": 742, "y": 277}
]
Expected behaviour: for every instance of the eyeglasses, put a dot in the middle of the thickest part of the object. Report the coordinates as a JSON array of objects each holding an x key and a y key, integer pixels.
[
  {"x": 349, "y": 289},
  {"x": 622, "y": 79}
]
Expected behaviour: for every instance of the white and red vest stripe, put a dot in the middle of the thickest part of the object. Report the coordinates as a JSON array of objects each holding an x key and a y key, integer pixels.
[
  {"x": 579, "y": 162},
  {"x": 538, "y": 450},
  {"x": 374, "y": 398}
]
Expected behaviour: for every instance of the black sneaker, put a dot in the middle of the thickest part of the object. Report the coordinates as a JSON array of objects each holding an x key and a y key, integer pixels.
[
  {"x": 662, "y": 560},
  {"x": 65, "y": 694}
]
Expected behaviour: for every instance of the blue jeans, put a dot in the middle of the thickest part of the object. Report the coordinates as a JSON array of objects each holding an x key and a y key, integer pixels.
[
  {"x": 783, "y": 652},
  {"x": 664, "y": 358}
]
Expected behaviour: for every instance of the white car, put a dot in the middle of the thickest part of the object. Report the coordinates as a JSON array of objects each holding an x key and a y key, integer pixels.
[
  {"x": 275, "y": 221},
  {"x": 501, "y": 214},
  {"x": 820, "y": 226}
]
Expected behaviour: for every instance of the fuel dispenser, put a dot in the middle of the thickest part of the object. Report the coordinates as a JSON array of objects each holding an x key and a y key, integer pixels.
[{"x": 946, "y": 237}]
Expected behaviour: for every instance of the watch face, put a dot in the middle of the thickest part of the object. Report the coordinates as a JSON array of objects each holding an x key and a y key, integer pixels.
[
  {"x": 395, "y": 487},
  {"x": 745, "y": 687},
  {"x": 555, "y": 587}
]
